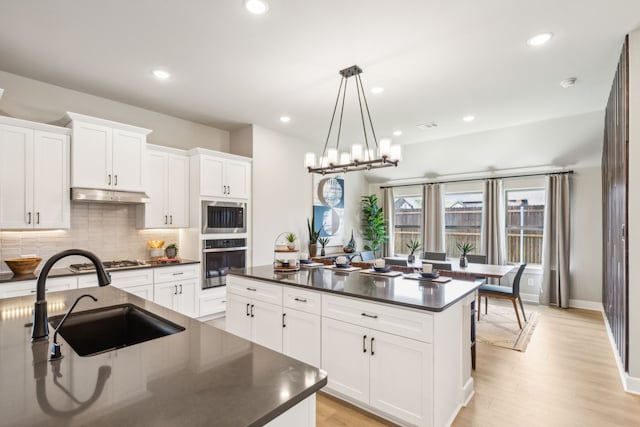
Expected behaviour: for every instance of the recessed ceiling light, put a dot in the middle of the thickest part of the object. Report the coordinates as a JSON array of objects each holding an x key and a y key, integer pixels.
[
  {"x": 377, "y": 90},
  {"x": 428, "y": 125},
  {"x": 468, "y": 118},
  {"x": 257, "y": 7},
  {"x": 568, "y": 82},
  {"x": 285, "y": 119},
  {"x": 539, "y": 39},
  {"x": 161, "y": 74},
  {"x": 397, "y": 132}
]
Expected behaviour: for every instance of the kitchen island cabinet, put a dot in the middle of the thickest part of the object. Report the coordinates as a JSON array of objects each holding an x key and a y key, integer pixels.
[
  {"x": 196, "y": 377},
  {"x": 399, "y": 348}
]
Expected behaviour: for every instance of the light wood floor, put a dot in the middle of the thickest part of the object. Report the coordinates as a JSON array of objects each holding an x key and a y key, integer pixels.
[{"x": 567, "y": 377}]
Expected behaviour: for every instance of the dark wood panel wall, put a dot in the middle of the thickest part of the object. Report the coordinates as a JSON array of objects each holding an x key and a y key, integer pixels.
[{"x": 615, "y": 179}]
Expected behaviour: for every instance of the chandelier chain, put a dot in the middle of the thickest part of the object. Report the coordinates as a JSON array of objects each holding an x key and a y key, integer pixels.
[
  {"x": 366, "y": 104},
  {"x": 344, "y": 95},
  {"x": 335, "y": 107}
]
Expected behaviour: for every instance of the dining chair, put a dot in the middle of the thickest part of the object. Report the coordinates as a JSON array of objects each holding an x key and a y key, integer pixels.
[
  {"x": 477, "y": 259},
  {"x": 396, "y": 261},
  {"x": 367, "y": 255},
  {"x": 504, "y": 292},
  {"x": 446, "y": 266},
  {"x": 436, "y": 256}
]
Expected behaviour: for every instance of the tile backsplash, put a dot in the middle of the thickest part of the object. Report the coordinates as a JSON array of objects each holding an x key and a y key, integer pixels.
[{"x": 108, "y": 230}]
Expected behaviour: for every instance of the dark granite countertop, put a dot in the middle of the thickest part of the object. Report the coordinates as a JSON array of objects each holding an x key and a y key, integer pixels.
[
  {"x": 198, "y": 377},
  {"x": 64, "y": 271},
  {"x": 423, "y": 295}
]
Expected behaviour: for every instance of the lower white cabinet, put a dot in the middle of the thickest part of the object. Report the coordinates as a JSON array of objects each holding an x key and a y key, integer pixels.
[
  {"x": 255, "y": 320},
  {"x": 28, "y": 287},
  {"x": 178, "y": 295},
  {"x": 143, "y": 291},
  {"x": 301, "y": 336}
]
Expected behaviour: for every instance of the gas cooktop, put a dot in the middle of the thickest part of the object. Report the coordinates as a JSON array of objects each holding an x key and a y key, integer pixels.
[{"x": 109, "y": 265}]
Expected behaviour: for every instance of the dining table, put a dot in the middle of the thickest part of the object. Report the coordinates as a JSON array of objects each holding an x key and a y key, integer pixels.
[{"x": 490, "y": 271}]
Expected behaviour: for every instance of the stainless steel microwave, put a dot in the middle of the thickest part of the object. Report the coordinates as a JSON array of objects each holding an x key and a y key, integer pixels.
[{"x": 224, "y": 217}]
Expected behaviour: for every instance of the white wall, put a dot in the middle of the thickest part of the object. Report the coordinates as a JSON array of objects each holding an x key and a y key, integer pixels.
[
  {"x": 282, "y": 192},
  {"x": 634, "y": 204},
  {"x": 241, "y": 141},
  {"x": 42, "y": 102}
]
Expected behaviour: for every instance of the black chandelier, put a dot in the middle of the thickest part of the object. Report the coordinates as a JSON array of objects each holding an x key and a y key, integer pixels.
[{"x": 376, "y": 155}]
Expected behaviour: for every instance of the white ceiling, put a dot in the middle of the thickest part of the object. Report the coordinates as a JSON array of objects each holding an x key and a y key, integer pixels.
[{"x": 437, "y": 60}]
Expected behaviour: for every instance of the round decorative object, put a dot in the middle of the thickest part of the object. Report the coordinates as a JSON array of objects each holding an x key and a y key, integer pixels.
[
  {"x": 463, "y": 261},
  {"x": 21, "y": 266}
]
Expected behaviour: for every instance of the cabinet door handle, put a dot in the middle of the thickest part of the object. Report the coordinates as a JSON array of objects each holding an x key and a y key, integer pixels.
[
  {"x": 29, "y": 220},
  {"x": 115, "y": 180},
  {"x": 175, "y": 289},
  {"x": 251, "y": 289},
  {"x": 228, "y": 189},
  {"x": 248, "y": 310},
  {"x": 170, "y": 219},
  {"x": 372, "y": 352},
  {"x": 284, "y": 320},
  {"x": 109, "y": 183},
  {"x": 372, "y": 316},
  {"x": 300, "y": 299},
  {"x": 252, "y": 310},
  {"x": 37, "y": 217},
  {"x": 165, "y": 219},
  {"x": 364, "y": 343},
  {"x": 181, "y": 289}
]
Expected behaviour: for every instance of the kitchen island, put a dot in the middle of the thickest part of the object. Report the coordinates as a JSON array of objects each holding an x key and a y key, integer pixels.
[
  {"x": 197, "y": 377},
  {"x": 397, "y": 347}
]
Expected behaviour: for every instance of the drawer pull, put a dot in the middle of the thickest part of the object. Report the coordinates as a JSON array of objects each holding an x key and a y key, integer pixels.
[
  {"x": 372, "y": 352},
  {"x": 252, "y": 289},
  {"x": 364, "y": 343},
  {"x": 33, "y": 292},
  {"x": 300, "y": 299},
  {"x": 178, "y": 273},
  {"x": 372, "y": 316}
]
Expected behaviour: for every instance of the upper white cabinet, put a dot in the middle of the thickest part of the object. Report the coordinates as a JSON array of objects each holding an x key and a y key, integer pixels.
[
  {"x": 220, "y": 175},
  {"x": 106, "y": 155},
  {"x": 167, "y": 184},
  {"x": 34, "y": 175}
]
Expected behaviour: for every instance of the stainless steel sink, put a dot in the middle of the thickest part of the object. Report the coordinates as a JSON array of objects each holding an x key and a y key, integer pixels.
[{"x": 104, "y": 329}]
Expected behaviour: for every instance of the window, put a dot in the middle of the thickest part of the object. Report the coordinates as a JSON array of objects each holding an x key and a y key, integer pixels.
[
  {"x": 463, "y": 221},
  {"x": 525, "y": 224},
  {"x": 407, "y": 224}
]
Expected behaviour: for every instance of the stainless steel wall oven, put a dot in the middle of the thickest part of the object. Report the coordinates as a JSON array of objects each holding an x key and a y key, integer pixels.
[{"x": 220, "y": 255}]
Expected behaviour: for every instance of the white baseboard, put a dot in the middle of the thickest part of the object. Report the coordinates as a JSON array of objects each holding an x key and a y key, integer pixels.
[
  {"x": 468, "y": 390},
  {"x": 629, "y": 384},
  {"x": 534, "y": 298},
  {"x": 586, "y": 305}
]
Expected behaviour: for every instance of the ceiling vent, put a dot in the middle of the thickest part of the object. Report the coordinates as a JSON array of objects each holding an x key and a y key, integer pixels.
[{"x": 428, "y": 125}]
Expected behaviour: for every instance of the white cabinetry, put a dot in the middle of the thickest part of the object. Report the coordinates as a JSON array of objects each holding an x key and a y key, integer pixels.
[
  {"x": 137, "y": 282},
  {"x": 167, "y": 184},
  {"x": 219, "y": 175},
  {"x": 254, "y": 311},
  {"x": 176, "y": 287},
  {"x": 106, "y": 155},
  {"x": 28, "y": 287},
  {"x": 391, "y": 373},
  {"x": 34, "y": 175},
  {"x": 301, "y": 325}
]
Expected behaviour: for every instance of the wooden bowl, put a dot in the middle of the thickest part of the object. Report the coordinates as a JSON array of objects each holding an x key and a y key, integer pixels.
[{"x": 21, "y": 266}]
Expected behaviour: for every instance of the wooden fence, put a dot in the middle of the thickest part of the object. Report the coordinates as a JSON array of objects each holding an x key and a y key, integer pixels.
[{"x": 463, "y": 225}]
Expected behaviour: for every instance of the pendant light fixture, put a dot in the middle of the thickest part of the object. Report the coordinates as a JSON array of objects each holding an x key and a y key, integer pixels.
[{"x": 373, "y": 154}]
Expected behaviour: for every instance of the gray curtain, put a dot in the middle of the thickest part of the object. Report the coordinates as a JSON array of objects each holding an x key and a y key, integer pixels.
[
  {"x": 433, "y": 218},
  {"x": 555, "y": 242},
  {"x": 388, "y": 210},
  {"x": 493, "y": 231}
]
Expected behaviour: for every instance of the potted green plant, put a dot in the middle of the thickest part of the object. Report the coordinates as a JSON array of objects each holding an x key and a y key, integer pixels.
[
  {"x": 313, "y": 237},
  {"x": 413, "y": 246},
  {"x": 374, "y": 226},
  {"x": 291, "y": 241},
  {"x": 464, "y": 248},
  {"x": 323, "y": 242},
  {"x": 171, "y": 251}
]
